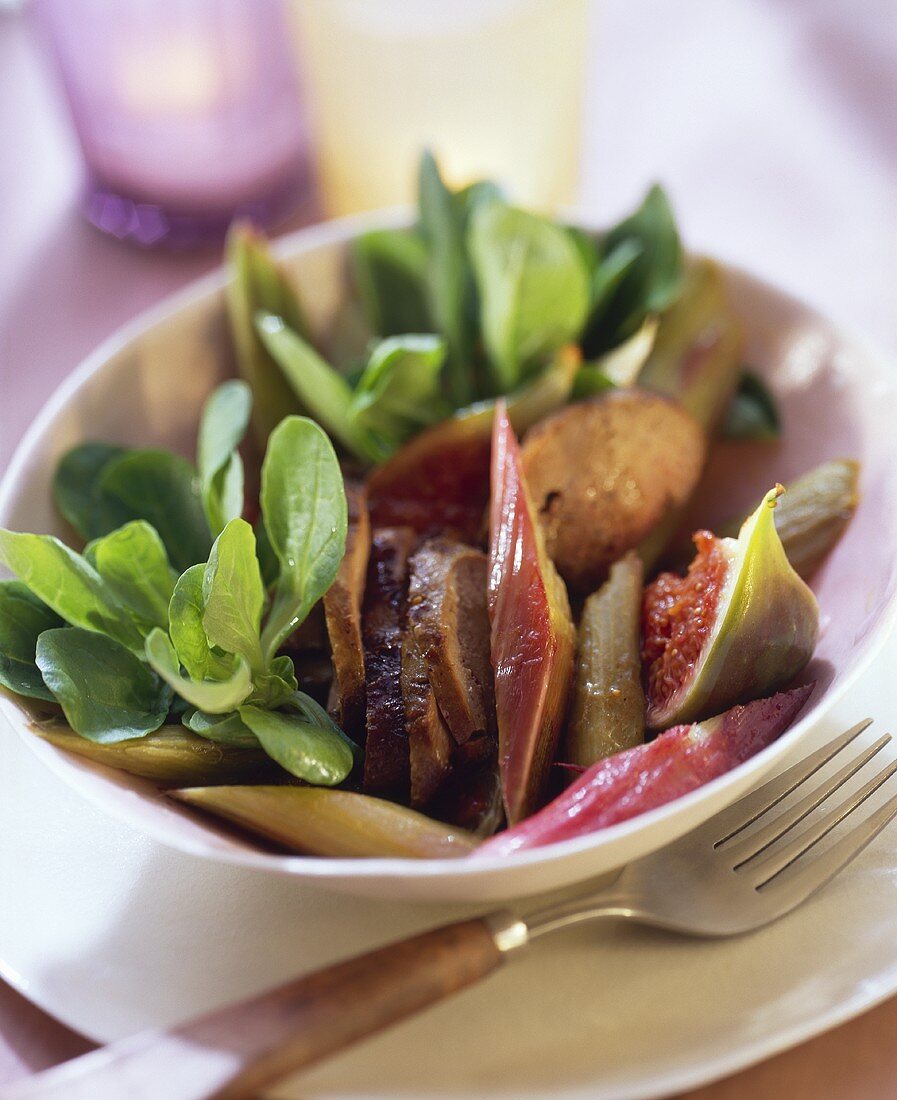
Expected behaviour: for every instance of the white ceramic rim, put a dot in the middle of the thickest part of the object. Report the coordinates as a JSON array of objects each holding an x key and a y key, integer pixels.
[{"x": 317, "y": 867}]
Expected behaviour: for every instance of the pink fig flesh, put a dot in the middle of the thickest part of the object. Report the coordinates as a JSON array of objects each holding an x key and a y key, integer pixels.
[{"x": 678, "y": 761}]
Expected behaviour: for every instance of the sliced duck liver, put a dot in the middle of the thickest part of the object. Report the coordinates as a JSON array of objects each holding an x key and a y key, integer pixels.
[
  {"x": 447, "y": 613},
  {"x": 342, "y": 614},
  {"x": 387, "y": 769},
  {"x": 430, "y": 743}
]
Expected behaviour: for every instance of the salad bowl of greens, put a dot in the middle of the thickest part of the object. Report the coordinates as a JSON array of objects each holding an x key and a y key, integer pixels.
[{"x": 228, "y": 530}]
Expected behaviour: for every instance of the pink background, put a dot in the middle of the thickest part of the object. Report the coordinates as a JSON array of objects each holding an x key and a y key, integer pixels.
[{"x": 772, "y": 122}]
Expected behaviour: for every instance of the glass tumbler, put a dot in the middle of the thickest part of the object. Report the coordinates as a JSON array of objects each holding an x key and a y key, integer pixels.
[
  {"x": 188, "y": 112},
  {"x": 493, "y": 87}
]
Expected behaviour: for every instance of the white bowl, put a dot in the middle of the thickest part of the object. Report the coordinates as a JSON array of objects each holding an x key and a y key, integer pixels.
[{"x": 146, "y": 384}]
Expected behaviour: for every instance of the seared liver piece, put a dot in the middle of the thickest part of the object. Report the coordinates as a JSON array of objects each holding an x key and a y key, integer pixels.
[
  {"x": 342, "y": 612},
  {"x": 386, "y": 765},
  {"x": 429, "y": 741},
  {"x": 603, "y": 474},
  {"x": 447, "y": 612}
]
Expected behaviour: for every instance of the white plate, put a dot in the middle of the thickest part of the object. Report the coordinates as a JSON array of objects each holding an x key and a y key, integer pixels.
[
  {"x": 111, "y": 931},
  {"x": 146, "y": 385}
]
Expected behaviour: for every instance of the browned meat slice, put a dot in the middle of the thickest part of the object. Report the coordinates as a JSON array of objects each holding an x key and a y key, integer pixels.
[
  {"x": 342, "y": 613},
  {"x": 447, "y": 611},
  {"x": 430, "y": 743},
  {"x": 386, "y": 764}
]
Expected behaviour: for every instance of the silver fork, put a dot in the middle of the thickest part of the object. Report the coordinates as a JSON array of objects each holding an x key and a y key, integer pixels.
[{"x": 721, "y": 879}]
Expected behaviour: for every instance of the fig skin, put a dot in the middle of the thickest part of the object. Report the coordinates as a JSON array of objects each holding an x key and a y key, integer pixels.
[
  {"x": 629, "y": 783},
  {"x": 532, "y": 633},
  {"x": 604, "y": 473},
  {"x": 766, "y": 622}
]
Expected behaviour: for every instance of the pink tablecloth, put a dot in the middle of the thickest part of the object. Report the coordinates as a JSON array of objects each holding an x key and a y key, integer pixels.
[{"x": 774, "y": 124}]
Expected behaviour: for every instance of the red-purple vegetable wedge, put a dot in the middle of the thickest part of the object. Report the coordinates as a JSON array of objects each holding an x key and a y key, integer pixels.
[
  {"x": 532, "y": 634},
  {"x": 676, "y": 762}
]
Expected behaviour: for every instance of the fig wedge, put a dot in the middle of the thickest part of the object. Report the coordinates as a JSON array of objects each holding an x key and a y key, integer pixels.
[
  {"x": 814, "y": 512},
  {"x": 630, "y": 783},
  {"x": 342, "y": 614},
  {"x": 607, "y": 713},
  {"x": 604, "y": 473},
  {"x": 697, "y": 352},
  {"x": 323, "y": 822},
  {"x": 532, "y": 634},
  {"x": 439, "y": 482},
  {"x": 740, "y": 625},
  {"x": 447, "y": 613},
  {"x": 386, "y": 758},
  {"x": 171, "y": 756}
]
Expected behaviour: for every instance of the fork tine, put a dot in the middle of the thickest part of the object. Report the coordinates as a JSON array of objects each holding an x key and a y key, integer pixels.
[
  {"x": 810, "y": 875},
  {"x": 757, "y": 842},
  {"x": 748, "y": 809},
  {"x": 761, "y": 869}
]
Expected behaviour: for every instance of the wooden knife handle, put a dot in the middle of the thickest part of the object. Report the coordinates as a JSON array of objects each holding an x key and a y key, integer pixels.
[
  {"x": 236, "y": 1051},
  {"x": 332, "y": 1009}
]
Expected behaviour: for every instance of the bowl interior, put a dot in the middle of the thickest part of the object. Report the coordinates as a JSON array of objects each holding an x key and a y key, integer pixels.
[{"x": 146, "y": 385}]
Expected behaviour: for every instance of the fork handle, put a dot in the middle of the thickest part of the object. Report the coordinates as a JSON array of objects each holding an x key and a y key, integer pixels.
[{"x": 238, "y": 1050}]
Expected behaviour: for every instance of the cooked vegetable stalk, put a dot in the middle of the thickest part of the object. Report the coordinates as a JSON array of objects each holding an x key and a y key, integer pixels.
[
  {"x": 740, "y": 625},
  {"x": 607, "y": 713},
  {"x": 696, "y": 356},
  {"x": 813, "y": 513},
  {"x": 258, "y": 284},
  {"x": 171, "y": 756},
  {"x": 323, "y": 822},
  {"x": 439, "y": 482},
  {"x": 532, "y": 632},
  {"x": 647, "y": 776}
]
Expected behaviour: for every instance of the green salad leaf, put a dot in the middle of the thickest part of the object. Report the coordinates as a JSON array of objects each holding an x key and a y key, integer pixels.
[
  {"x": 163, "y": 489},
  {"x": 304, "y": 507},
  {"x": 389, "y": 269},
  {"x": 399, "y": 391},
  {"x": 233, "y": 595},
  {"x": 640, "y": 272},
  {"x": 187, "y": 633},
  {"x": 753, "y": 413},
  {"x": 324, "y": 391},
  {"x": 23, "y": 618},
  {"x": 276, "y": 686},
  {"x": 212, "y": 696},
  {"x": 226, "y": 729},
  {"x": 306, "y": 743},
  {"x": 106, "y": 693},
  {"x": 225, "y": 418},
  {"x": 77, "y": 493},
  {"x": 533, "y": 285},
  {"x": 442, "y": 224},
  {"x": 68, "y": 584},
  {"x": 258, "y": 284},
  {"x": 133, "y": 563}
]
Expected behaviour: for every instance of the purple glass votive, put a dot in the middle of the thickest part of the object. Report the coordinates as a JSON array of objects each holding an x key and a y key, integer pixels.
[{"x": 188, "y": 113}]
